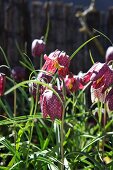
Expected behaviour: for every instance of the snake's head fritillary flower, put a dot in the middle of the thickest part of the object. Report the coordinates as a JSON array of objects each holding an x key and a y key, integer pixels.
[
  {"x": 2, "y": 83},
  {"x": 101, "y": 82},
  {"x": 72, "y": 83},
  {"x": 103, "y": 78},
  {"x": 51, "y": 105},
  {"x": 57, "y": 61},
  {"x": 109, "y": 54},
  {"x": 18, "y": 73},
  {"x": 38, "y": 47}
]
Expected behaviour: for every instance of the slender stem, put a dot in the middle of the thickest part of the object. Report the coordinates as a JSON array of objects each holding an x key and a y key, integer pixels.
[
  {"x": 62, "y": 140},
  {"x": 62, "y": 127},
  {"x": 41, "y": 61},
  {"x": 14, "y": 103},
  {"x": 32, "y": 125},
  {"x": 104, "y": 124},
  {"x": 14, "y": 112},
  {"x": 74, "y": 104}
]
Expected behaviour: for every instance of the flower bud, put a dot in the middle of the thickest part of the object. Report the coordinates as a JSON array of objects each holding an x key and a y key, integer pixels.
[
  {"x": 38, "y": 47},
  {"x": 2, "y": 83},
  {"x": 18, "y": 73},
  {"x": 33, "y": 89}
]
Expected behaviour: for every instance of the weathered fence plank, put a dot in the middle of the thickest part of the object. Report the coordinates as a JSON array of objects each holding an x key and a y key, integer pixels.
[
  {"x": 23, "y": 21},
  {"x": 110, "y": 23}
]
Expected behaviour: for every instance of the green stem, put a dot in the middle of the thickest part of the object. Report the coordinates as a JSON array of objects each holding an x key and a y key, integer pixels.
[
  {"x": 41, "y": 61},
  {"x": 14, "y": 112},
  {"x": 14, "y": 102},
  {"x": 104, "y": 130},
  {"x": 62, "y": 127},
  {"x": 62, "y": 140},
  {"x": 31, "y": 132}
]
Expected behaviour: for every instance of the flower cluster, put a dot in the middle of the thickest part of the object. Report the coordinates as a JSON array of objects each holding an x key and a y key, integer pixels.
[
  {"x": 101, "y": 77},
  {"x": 55, "y": 72},
  {"x": 55, "y": 75},
  {"x": 57, "y": 63}
]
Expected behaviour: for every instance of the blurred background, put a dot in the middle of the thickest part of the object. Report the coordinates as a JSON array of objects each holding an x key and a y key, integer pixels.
[{"x": 72, "y": 22}]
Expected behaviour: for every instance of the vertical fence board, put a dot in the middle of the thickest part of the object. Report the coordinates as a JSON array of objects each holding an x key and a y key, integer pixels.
[
  {"x": 110, "y": 23},
  {"x": 25, "y": 20}
]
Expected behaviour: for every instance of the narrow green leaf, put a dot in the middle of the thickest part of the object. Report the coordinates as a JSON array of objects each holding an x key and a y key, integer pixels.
[
  {"x": 25, "y": 65},
  {"x": 15, "y": 165},
  {"x": 48, "y": 161},
  {"x": 8, "y": 145},
  {"x": 46, "y": 142},
  {"x": 33, "y": 81},
  {"x": 6, "y": 108},
  {"x": 3, "y": 168},
  {"x": 78, "y": 49},
  {"x": 47, "y": 29},
  {"x": 96, "y": 163},
  {"x": 91, "y": 57},
  {"x": 103, "y": 35},
  {"x": 5, "y": 57}
]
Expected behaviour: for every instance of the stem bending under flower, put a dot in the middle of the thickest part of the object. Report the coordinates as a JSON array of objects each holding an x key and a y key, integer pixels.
[{"x": 62, "y": 139}]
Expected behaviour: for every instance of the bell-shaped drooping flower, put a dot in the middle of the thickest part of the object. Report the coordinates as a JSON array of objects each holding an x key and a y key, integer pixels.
[
  {"x": 101, "y": 82},
  {"x": 2, "y": 83},
  {"x": 103, "y": 78},
  {"x": 51, "y": 105},
  {"x": 57, "y": 61},
  {"x": 109, "y": 99},
  {"x": 109, "y": 54},
  {"x": 38, "y": 47},
  {"x": 72, "y": 83},
  {"x": 18, "y": 73}
]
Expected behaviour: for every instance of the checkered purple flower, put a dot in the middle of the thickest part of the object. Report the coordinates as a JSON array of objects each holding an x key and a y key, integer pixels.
[
  {"x": 51, "y": 105},
  {"x": 57, "y": 61}
]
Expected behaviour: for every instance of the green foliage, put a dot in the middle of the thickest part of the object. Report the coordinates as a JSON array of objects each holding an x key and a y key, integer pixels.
[{"x": 28, "y": 141}]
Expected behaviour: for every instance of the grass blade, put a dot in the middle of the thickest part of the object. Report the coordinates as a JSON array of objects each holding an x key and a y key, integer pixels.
[{"x": 78, "y": 49}]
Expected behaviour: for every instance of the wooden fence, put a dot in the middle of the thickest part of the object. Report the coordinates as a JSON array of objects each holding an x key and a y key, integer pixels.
[{"x": 21, "y": 21}]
